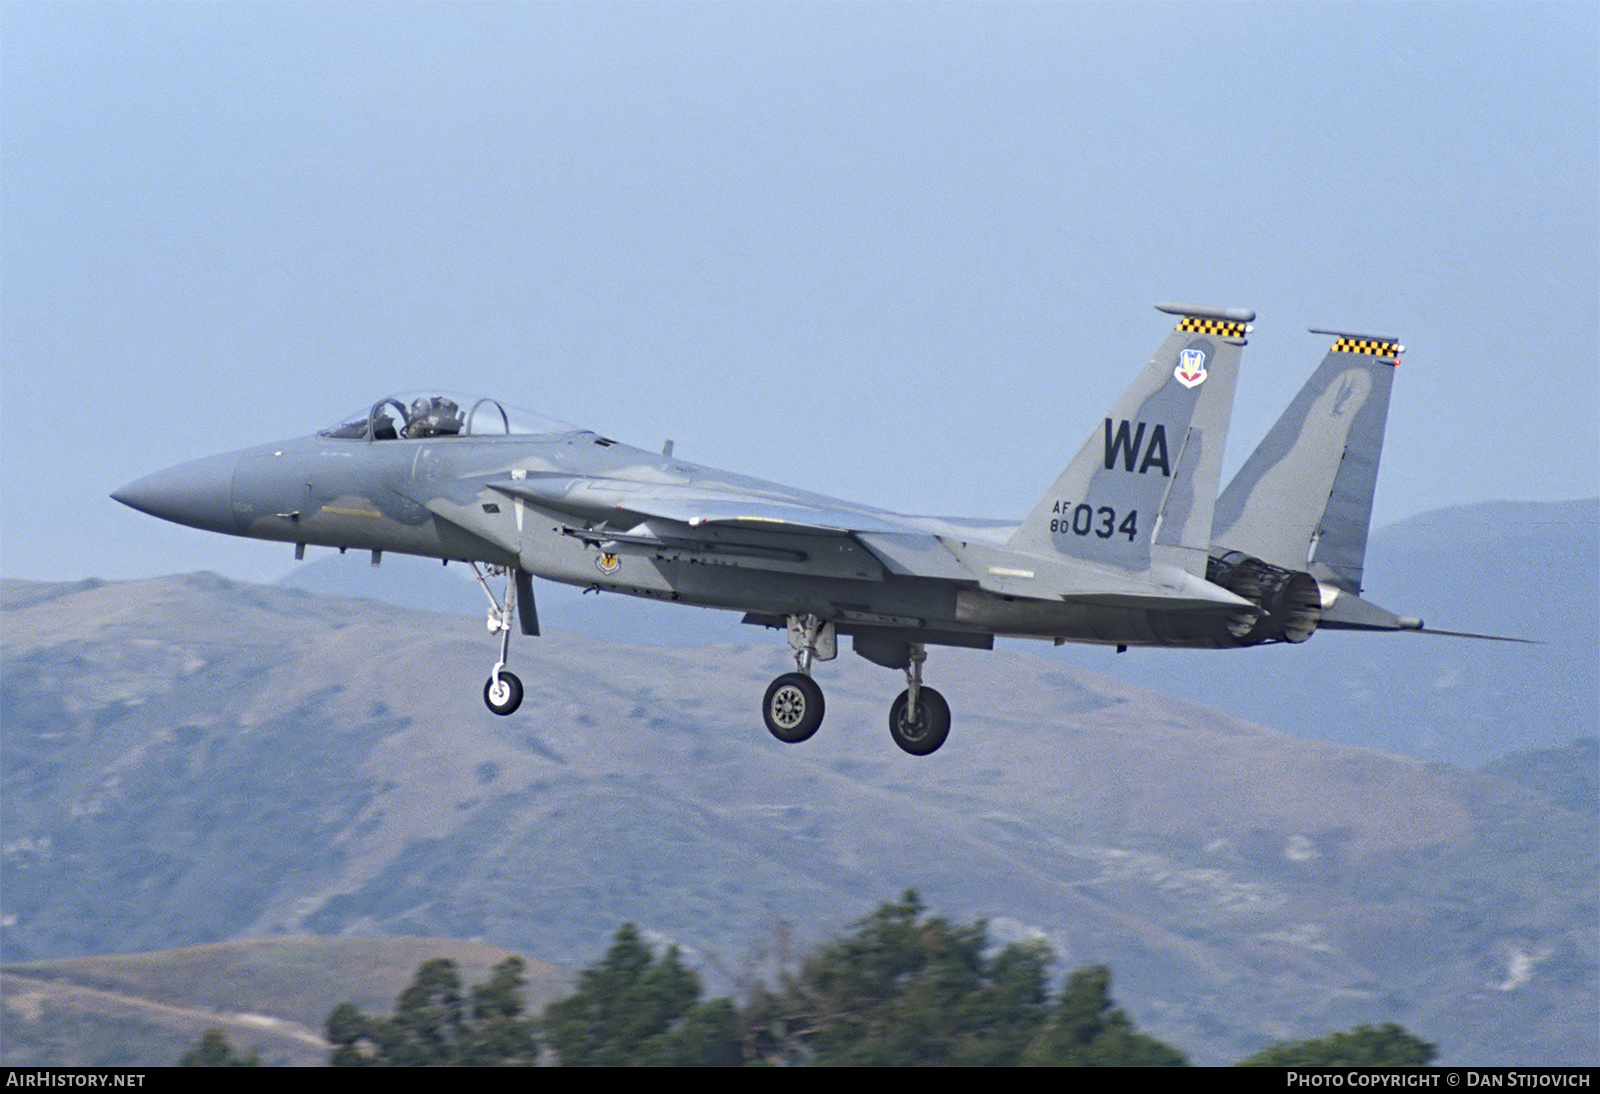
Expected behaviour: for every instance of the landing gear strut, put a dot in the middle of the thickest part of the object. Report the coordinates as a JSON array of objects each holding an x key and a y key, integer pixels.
[
  {"x": 503, "y": 691},
  {"x": 919, "y": 720},
  {"x": 793, "y": 705}
]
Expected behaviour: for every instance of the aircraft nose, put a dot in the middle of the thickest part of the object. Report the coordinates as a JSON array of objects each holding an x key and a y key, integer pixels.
[{"x": 198, "y": 493}]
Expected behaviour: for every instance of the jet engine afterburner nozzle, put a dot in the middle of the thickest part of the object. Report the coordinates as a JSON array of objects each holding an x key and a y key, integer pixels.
[{"x": 1290, "y": 600}]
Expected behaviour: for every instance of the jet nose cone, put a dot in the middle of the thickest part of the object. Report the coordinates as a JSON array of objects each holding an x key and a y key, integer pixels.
[{"x": 199, "y": 494}]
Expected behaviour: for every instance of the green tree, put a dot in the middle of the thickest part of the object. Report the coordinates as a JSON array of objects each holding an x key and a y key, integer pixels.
[
  {"x": 428, "y": 1027},
  {"x": 348, "y": 1031},
  {"x": 434, "y": 1024},
  {"x": 215, "y": 1050},
  {"x": 633, "y": 1008},
  {"x": 500, "y": 1032},
  {"x": 1088, "y": 1030},
  {"x": 906, "y": 988},
  {"x": 1389, "y": 1045}
]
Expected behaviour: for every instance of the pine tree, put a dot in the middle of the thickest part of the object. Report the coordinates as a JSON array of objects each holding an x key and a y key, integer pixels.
[
  {"x": 215, "y": 1050},
  {"x": 1088, "y": 1030},
  {"x": 636, "y": 1009},
  {"x": 434, "y": 1025},
  {"x": 1389, "y": 1045},
  {"x": 906, "y": 988}
]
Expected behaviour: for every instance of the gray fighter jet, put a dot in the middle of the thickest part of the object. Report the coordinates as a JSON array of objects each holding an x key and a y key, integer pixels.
[{"x": 1130, "y": 546}]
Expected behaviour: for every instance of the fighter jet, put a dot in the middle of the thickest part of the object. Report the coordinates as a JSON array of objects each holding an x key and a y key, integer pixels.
[{"x": 1130, "y": 546}]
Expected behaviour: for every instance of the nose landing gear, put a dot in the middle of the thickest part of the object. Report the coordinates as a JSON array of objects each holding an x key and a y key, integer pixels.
[{"x": 502, "y": 693}]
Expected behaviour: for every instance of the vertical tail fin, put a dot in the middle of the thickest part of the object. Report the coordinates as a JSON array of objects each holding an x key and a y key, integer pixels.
[
  {"x": 1305, "y": 494},
  {"x": 1143, "y": 487}
]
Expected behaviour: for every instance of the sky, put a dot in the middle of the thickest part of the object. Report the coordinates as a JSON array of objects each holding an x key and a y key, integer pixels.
[{"x": 902, "y": 254}]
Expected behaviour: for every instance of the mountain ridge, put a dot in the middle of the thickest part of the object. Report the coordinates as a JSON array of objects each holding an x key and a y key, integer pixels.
[{"x": 191, "y": 759}]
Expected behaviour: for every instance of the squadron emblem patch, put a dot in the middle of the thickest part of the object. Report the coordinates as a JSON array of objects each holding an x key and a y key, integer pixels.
[
  {"x": 1191, "y": 370},
  {"x": 608, "y": 563}
]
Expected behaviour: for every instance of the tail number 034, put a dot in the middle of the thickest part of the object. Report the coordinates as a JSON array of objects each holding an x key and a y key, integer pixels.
[{"x": 1086, "y": 520}]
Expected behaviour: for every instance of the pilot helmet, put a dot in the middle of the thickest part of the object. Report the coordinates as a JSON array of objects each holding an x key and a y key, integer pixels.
[{"x": 433, "y": 415}]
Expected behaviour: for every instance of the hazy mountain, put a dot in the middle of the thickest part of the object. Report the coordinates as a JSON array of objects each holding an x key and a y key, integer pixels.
[
  {"x": 192, "y": 760},
  {"x": 1564, "y": 775}
]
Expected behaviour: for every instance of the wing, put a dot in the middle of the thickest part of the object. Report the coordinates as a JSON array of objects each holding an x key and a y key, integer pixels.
[
  {"x": 615, "y": 501},
  {"x": 620, "y": 515}
]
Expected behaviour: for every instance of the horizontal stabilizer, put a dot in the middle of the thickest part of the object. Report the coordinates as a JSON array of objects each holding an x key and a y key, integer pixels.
[
  {"x": 1468, "y": 634},
  {"x": 1348, "y": 612}
]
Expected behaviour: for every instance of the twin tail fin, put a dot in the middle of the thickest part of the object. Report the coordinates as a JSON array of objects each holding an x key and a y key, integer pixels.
[
  {"x": 1143, "y": 487},
  {"x": 1303, "y": 499}
]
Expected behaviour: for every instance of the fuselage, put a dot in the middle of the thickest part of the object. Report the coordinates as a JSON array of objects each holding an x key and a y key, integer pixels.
[{"x": 432, "y": 496}]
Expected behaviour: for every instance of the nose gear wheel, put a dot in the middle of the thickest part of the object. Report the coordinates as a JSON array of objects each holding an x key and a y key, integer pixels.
[{"x": 502, "y": 693}]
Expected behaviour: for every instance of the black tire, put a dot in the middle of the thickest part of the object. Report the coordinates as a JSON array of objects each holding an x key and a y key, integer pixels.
[
  {"x": 507, "y": 697},
  {"x": 923, "y": 731},
  {"x": 793, "y": 707}
]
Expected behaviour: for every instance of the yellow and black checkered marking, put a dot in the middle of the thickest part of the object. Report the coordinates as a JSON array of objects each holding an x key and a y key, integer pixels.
[
  {"x": 1366, "y": 345},
  {"x": 1222, "y": 328}
]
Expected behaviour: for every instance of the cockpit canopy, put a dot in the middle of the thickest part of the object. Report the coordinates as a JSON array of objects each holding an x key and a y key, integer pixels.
[{"x": 436, "y": 414}]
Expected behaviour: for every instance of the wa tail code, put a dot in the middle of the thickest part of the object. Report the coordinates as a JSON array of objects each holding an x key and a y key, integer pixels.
[{"x": 1129, "y": 444}]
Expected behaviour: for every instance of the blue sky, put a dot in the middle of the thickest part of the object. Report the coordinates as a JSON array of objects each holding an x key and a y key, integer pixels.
[{"x": 903, "y": 254}]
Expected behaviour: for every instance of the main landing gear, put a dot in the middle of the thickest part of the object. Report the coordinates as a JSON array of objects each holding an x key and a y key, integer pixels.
[
  {"x": 793, "y": 705},
  {"x": 919, "y": 720},
  {"x": 502, "y": 692}
]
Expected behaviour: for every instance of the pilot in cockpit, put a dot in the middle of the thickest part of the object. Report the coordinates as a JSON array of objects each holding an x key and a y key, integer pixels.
[{"x": 433, "y": 416}]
